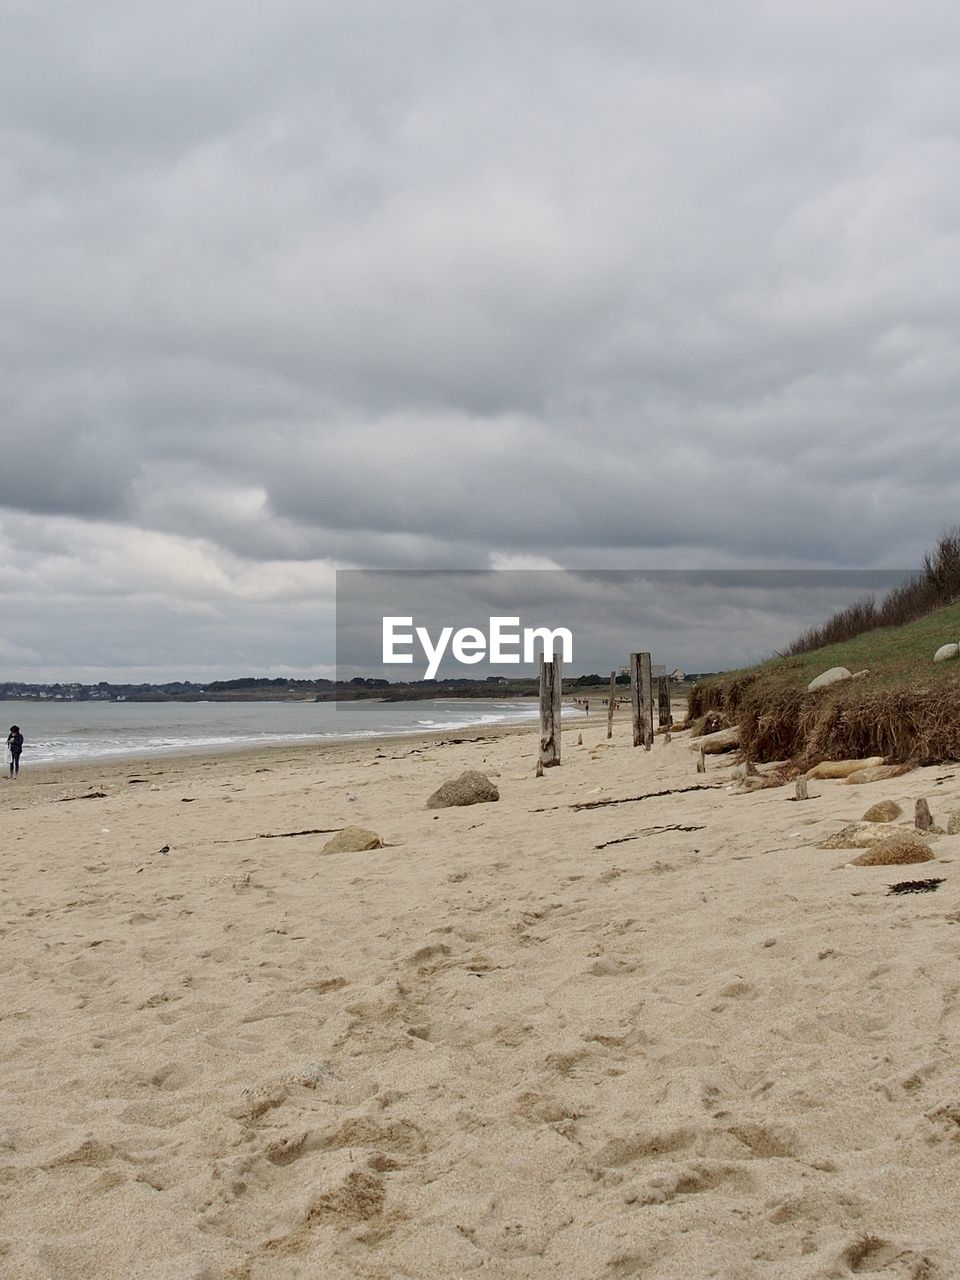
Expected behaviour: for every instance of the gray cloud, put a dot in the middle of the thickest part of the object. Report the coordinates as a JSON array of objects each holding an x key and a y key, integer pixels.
[{"x": 425, "y": 286}]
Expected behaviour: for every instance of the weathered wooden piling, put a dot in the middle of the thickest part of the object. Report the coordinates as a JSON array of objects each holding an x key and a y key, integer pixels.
[
  {"x": 641, "y": 700},
  {"x": 551, "y": 693},
  {"x": 646, "y": 699},
  {"x": 664, "y": 711}
]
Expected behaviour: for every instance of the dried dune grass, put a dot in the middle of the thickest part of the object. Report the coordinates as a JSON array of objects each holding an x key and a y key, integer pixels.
[{"x": 912, "y": 724}]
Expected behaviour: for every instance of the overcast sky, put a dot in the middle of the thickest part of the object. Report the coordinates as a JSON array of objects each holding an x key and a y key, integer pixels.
[{"x": 309, "y": 285}]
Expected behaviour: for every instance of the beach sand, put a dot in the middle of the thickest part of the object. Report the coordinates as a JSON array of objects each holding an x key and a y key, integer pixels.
[{"x": 491, "y": 1047}]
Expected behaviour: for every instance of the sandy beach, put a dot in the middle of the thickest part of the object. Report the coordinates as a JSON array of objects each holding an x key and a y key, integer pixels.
[{"x": 664, "y": 1038}]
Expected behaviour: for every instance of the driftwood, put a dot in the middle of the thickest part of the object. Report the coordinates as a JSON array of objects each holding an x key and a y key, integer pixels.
[
  {"x": 649, "y": 831},
  {"x": 842, "y": 768},
  {"x": 714, "y": 743},
  {"x": 90, "y": 795}
]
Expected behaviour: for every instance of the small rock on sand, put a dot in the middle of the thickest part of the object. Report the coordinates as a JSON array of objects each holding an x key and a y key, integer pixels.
[
  {"x": 897, "y": 850},
  {"x": 353, "y": 840},
  {"x": 472, "y": 787},
  {"x": 883, "y": 811}
]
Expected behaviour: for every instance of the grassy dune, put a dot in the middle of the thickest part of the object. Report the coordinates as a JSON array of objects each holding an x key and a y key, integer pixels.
[{"x": 905, "y": 708}]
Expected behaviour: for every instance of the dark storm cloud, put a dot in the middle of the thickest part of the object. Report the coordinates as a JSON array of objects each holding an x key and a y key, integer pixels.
[{"x": 303, "y": 285}]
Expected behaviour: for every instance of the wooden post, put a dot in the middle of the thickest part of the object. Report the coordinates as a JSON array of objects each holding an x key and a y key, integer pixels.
[
  {"x": 611, "y": 703},
  {"x": 802, "y": 791},
  {"x": 550, "y": 693},
  {"x": 635, "y": 698},
  {"x": 664, "y": 712},
  {"x": 646, "y": 698},
  {"x": 557, "y": 665},
  {"x": 701, "y": 762}
]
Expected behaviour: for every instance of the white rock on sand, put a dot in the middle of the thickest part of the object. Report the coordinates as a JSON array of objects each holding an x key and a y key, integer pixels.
[{"x": 491, "y": 1048}]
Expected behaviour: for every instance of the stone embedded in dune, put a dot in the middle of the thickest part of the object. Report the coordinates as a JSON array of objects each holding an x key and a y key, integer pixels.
[
  {"x": 953, "y": 824},
  {"x": 946, "y": 652},
  {"x": 472, "y": 787},
  {"x": 843, "y": 768},
  {"x": 899, "y": 849},
  {"x": 833, "y": 676},
  {"x": 875, "y": 773},
  {"x": 353, "y": 840},
  {"x": 883, "y": 811}
]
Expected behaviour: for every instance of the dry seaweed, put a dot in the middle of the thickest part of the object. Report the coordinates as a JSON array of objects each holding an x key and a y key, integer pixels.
[
  {"x": 648, "y": 795},
  {"x": 649, "y": 831},
  {"x": 915, "y": 886}
]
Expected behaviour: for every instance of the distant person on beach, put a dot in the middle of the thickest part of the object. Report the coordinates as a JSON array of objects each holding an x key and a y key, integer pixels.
[{"x": 14, "y": 747}]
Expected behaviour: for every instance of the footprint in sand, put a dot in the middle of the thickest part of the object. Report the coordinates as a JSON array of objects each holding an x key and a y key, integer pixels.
[
  {"x": 688, "y": 1180},
  {"x": 613, "y": 967},
  {"x": 642, "y": 1146}
]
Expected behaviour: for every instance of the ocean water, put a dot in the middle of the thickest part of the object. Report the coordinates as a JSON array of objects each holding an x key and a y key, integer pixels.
[{"x": 58, "y": 732}]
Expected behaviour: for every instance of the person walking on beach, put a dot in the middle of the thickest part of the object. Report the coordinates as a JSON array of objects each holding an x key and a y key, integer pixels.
[{"x": 14, "y": 747}]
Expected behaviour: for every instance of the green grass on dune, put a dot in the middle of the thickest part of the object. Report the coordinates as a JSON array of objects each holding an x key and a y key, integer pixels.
[{"x": 896, "y": 657}]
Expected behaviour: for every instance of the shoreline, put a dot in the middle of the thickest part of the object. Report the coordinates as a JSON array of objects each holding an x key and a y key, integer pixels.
[
  {"x": 50, "y": 771},
  {"x": 292, "y": 742}
]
